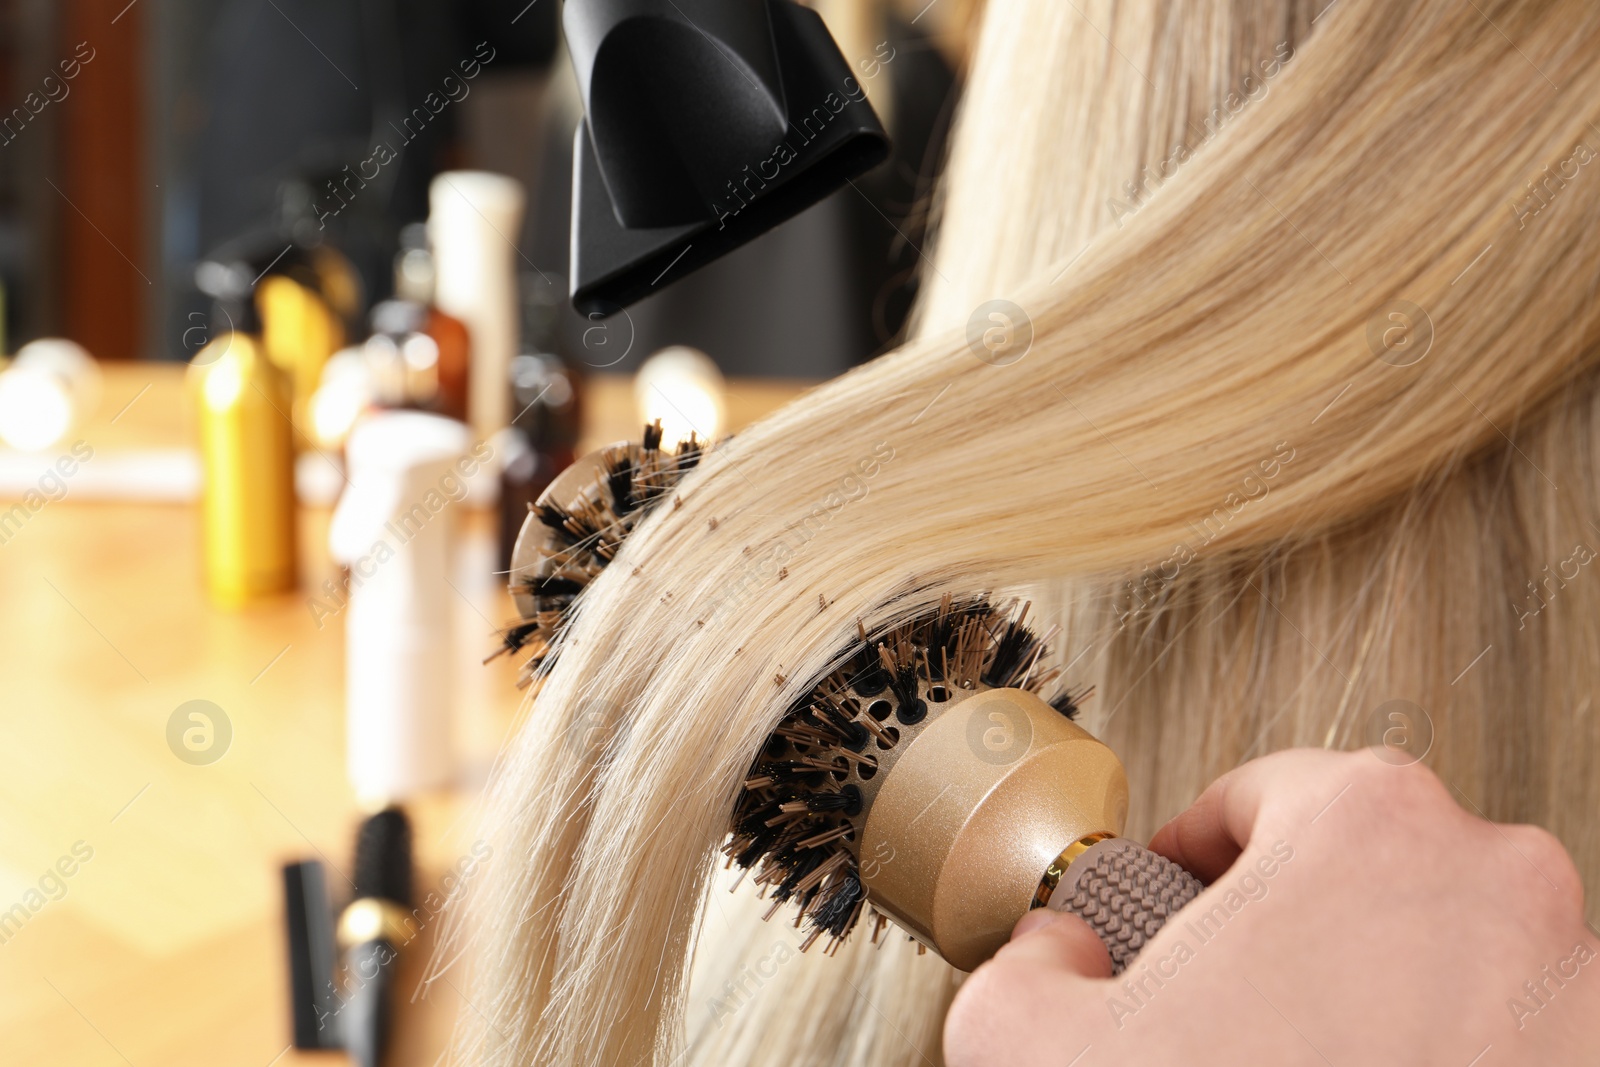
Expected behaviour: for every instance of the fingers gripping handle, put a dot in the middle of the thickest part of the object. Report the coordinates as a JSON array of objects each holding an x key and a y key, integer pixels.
[{"x": 1125, "y": 892}]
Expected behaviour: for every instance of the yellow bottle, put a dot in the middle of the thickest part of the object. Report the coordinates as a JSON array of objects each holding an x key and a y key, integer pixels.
[
  {"x": 247, "y": 458},
  {"x": 298, "y": 330}
]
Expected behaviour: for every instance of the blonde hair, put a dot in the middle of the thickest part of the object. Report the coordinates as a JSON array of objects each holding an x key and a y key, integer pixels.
[{"x": 1257, "y": 518}]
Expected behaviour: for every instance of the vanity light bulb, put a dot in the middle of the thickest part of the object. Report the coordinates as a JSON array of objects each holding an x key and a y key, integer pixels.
[{"x": 684, "y": 389}]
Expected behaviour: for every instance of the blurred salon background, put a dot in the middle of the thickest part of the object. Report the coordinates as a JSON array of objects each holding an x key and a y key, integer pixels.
[
  {"x": 288, "y": 355},
  {"x": 197, "y": 123}
]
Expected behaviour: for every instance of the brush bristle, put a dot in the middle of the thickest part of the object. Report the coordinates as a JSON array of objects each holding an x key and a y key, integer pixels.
[
  {"x": 383, "y": 857},
  {"x": 801, "y": 810},
  {"x": 586, "y": 534},
  {"x": 799, "y": 817}
]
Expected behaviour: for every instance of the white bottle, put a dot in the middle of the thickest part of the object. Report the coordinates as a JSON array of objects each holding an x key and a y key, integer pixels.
[
  {"x": 394, "y": 528},
  {"x": 474, "y": 220}
]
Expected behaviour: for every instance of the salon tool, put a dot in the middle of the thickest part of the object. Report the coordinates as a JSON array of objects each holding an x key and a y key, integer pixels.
[
  {"x": 373, "y": 930},
  {"x": 351, "y": 1009},
  {"x": 923, "y": 781},
  {"x": 707, "y": 123},
  {"x": 927, "y": 782},
  {"x": 308, "y": 929},
  {"x": 575, "y": 529}
]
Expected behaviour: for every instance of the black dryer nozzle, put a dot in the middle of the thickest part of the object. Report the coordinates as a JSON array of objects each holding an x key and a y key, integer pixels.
[{"x": 706, "y": 123}]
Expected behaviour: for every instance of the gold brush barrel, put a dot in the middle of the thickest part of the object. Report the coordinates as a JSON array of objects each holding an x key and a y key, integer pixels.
[
  {"x": 973, "y": 811},
  {"x": 247, "y": 458}
]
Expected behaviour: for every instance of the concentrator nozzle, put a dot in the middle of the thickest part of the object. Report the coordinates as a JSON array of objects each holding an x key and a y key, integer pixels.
[{"x": 706, "y": 123}]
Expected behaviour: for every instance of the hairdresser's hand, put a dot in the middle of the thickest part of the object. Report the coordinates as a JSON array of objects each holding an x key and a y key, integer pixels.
[{"x": 1355, "y": 914}]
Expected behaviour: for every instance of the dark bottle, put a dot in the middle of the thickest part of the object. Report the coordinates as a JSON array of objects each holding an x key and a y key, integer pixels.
[
  {"x": 546, "y": 413},
  {"x": 414, "y": 275},
  {"x": 402, "y": 361}
]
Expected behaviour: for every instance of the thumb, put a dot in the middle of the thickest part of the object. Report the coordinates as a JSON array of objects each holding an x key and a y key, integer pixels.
[{"x": 1057, "y": 940}]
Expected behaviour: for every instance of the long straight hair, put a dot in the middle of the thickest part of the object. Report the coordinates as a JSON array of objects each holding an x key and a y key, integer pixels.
[{"x": 1307, "y": 426}]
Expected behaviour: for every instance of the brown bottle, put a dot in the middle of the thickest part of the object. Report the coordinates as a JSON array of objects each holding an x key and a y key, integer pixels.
[{"x": 413, "y": 283}]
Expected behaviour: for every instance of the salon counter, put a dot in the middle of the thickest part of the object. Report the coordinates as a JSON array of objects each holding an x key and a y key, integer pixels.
[{"x": 140, "y": 908}]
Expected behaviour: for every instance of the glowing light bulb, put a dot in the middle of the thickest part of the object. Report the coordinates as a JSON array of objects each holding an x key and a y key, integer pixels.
[
  {"x": 35, "y": 409},
  {"x": 684, "y": 389},
  {"x": 52, "y": 384}
]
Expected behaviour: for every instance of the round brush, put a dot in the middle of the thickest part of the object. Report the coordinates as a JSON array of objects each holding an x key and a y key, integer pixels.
[
  {"x": 924, "y": 781},
  {"x": 372, "y": 930},
  {"x": 576, "y": 528},
  {"x": 927, "y": 782}
]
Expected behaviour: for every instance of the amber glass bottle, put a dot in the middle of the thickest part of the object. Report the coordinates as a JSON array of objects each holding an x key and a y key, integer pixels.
[{"x": 413, "y": 283}]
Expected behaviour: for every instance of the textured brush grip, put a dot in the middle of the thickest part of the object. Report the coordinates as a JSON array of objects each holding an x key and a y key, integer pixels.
[{"x": 1125, "y": 892}]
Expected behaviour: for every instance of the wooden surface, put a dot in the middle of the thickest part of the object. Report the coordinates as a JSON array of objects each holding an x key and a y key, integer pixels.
[{"x": 165, "y": 948}]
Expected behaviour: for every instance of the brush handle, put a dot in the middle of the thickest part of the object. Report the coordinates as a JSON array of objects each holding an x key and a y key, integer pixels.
[
  {"x": 368, "y": 1014},
  {"x": 1125, "y": 892}
]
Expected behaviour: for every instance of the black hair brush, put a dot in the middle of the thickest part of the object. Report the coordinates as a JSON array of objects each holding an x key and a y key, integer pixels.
[
  {"x": 354, "y": 1012},
  {"x": 372, "y": 930}
]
